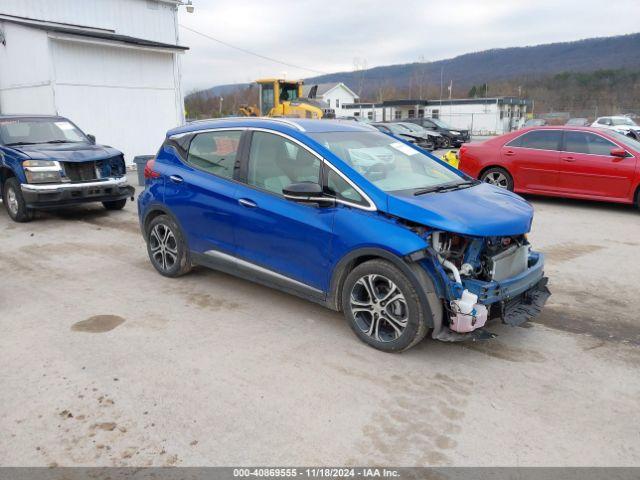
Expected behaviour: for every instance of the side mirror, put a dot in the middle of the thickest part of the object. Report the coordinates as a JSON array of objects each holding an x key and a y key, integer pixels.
[
  {"x": 307, "y": 192},
  {"x": 618, "y": 152},
  {"x": 92, "y": 138}
]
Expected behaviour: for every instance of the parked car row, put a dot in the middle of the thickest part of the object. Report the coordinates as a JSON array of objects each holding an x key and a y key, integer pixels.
[
  {"x": 427, "y": 133},
  {"x": 575, "y": 162},
  {"x": 48, "y": 162}
]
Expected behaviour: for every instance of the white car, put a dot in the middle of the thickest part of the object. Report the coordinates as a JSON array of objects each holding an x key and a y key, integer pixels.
[{"x": 620, "y": 124}]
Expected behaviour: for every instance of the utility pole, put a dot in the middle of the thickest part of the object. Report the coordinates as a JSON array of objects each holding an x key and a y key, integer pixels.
[
  {"x": 220, "y": 106},
  {"x": 441, "y": 84}
]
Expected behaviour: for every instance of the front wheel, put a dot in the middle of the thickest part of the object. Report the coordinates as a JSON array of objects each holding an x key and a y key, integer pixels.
[
  {"x": 498, "y": 177},
  {"x": 115, "y": 204},
  {"x": 14, "y": 201},
  {"x": 382, "y": 307}
]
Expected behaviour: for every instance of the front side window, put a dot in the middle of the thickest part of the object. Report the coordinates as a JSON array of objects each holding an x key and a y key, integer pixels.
[
  {"x": 584, "y": 142},
  {"x": 276, "y": 163},
  {"x": 30, "y": 131},
  {"x": 342, "y": 189},
  {"x": 387, "y": 163},
  {"x": 538, "y": 140},
  {"x": 215, "y": 152}
]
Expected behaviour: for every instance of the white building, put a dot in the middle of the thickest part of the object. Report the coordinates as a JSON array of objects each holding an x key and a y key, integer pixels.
[
  {"x": 481, "y": 116},
  {"x": 111, "y": 66},
  {"x": 335, "y": 94}
]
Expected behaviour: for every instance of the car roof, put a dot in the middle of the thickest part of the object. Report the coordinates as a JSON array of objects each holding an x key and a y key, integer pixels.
[
  {"x": 562, "y": 127},
  {"x": 29, "y": 115},
  {"x": 277, "y": 123}
]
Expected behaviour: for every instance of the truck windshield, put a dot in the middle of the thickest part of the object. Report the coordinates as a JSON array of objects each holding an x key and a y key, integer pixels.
[
  {"x": 29, "y": 131},
  {"x": 387, "y": 163}
]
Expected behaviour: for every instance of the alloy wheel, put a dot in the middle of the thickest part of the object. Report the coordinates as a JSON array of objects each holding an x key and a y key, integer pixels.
[
  {"x": 164, "y": 247},
  {"x": 379, "y": 308},
  {"x": 12, "y": 201},
  {"x": 498, "y": 179}
]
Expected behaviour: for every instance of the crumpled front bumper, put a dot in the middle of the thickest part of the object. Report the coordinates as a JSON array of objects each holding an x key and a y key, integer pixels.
[
  {"x": 52, "y": 195},
  {"x": 516, "y": 299}
]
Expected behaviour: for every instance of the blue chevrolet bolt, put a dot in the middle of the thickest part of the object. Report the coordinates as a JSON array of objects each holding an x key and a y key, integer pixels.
[{"x": 348, "y": 217}]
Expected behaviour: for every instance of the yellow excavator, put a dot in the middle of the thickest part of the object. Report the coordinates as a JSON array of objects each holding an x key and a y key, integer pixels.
[{"x": 284, "y": 98}]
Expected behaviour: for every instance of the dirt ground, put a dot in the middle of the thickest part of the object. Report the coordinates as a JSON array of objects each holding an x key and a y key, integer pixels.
[{"x": 104, "y": 362}]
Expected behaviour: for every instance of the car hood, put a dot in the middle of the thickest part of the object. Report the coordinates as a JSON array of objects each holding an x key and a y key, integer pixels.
[
  {"x": 68, "y": 152},
  {"x": 482, "y": 211}
]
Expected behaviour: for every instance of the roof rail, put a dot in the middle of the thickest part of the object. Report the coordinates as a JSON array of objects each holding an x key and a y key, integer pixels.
[{"x": 273, "y": 119}]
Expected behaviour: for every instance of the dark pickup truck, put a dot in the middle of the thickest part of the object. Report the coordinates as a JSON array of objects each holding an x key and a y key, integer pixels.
[{"x": 48, "y": 162}]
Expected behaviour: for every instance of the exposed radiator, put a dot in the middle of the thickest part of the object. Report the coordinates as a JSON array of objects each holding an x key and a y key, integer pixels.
[{"x": 510, "y": 262}]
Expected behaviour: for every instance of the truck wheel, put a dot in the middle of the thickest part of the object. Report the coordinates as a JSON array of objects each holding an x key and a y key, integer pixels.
[
  {"x": 498, "y": 177},
  {"x": 115, "y": 204},
  {"x": 382, "y": 307},
  {"x": 14, "y": 201},
  {"x": 167, "y": 248}
]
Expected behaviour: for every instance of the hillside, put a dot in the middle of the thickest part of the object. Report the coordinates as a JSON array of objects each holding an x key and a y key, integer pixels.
[{"x": 620, "y": 52}]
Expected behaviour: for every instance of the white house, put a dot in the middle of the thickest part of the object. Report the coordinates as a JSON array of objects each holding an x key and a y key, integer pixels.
[
  {"x": 335, "y": 94},
  {"x": 111, "y": 66},
  {"x": 481, "y": 116}
]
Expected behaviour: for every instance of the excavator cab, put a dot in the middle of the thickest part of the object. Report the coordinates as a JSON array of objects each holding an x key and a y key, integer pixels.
[
  {"x": 283, "y": 98},
  {"x": 274, "y": 92}
]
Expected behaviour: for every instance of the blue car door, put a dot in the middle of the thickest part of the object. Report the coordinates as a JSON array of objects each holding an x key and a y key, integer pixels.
[
  {"x": 285, "y": 238},
  {"x": 201, "y": 191}
]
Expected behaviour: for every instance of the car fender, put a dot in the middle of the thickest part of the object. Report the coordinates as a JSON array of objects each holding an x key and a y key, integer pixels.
[
  {"x": 418, "y": 277},
  {"x": 13, "y": 162}
]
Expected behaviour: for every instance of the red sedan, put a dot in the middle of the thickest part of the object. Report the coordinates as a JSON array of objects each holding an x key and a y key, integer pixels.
[{"x": 575, "y": 162}]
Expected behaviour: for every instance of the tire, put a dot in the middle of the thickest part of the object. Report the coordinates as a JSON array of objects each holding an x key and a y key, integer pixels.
[
  {"x": 498, "y": 177},
  {"x": 14, "y": 201},
  {"x": 167, "y": 248},
  {"x": 115, "y": 204},
  {"x": 387, "y": 325},
  {"x": 446, "y": 142}
]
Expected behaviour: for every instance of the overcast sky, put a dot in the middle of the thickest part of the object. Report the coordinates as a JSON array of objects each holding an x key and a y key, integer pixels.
[{"x": 327, "y": 35}]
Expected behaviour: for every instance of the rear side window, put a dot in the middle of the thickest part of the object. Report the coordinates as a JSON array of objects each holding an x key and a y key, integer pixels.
[
  {"x": 215, "y": 152},
  {"x": 538, "y": 140},
  {"x": 584, "y": 142}
]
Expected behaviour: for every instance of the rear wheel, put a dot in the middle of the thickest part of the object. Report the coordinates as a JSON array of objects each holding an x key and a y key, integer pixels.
[
  {"x": 498, "y": 177},
  {"x": 382, "y": 307},
  {"x": 115, "y": 204},
  {"x": 167, "y": 247},
  {"x": 14, "y": 201}
]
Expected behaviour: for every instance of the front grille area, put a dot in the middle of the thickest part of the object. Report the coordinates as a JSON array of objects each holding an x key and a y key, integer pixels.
[{"x": 80, "y": 171}]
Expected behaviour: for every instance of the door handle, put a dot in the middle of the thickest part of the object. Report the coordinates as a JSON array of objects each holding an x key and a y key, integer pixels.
[
  {"x": 247, "y": 203},
  {"x": 509, "y": 153},
  {"x": 176, "y": 179},
  {"x": 568, "y": 159}
]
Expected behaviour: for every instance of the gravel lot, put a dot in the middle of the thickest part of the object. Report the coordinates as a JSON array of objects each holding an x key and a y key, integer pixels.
[{"x": 212, "y": 370}]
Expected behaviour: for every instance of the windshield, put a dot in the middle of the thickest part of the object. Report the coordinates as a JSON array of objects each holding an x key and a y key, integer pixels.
[
  {"x": 28, "y": 131},
  {"x": 625, "y": 140},
  {"x": 440, "y": 123},
  {"x": 387, "y": 163},
  {"x": 412, "y": 127},
  {"x": 622, "y": 121}
]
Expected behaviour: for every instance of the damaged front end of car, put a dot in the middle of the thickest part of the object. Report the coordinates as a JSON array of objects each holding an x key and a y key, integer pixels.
[{"x": 478, "y": 279}]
